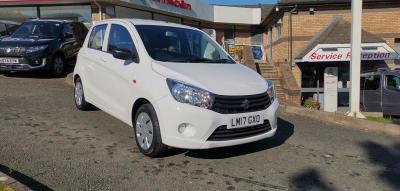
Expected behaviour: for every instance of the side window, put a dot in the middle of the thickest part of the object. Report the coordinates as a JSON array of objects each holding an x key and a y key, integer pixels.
[
  {"x": 67, "y": 31},
  {"x": 392, "y": 82},
  {"x": 372, "y": 82},
  {"x": 96, "y": 38},
  {"x": 120, "y": 38},
  {"x": 3, "y": 29},
  {"x": 79, "y": 31}
]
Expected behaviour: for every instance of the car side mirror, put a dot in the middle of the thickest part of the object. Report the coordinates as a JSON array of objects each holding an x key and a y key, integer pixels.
[{"x": 124, "y": 54}]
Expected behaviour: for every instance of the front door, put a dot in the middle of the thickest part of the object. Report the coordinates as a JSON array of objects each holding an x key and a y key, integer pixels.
[
  {"x": 391, "y": 95},
  {"x": 371, "y": 92},
  {"x": 117, "y": 82}
]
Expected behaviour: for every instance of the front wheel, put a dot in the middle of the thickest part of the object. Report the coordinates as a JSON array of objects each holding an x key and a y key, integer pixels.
[{"x": 147, "y": 131}]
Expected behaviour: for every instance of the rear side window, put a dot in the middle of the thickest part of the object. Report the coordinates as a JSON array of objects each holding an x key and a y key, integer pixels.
[
  {"x": 3, "y": 29},
  {"x": 372, "y": 82},
  {"x": 96, "y": 38},
  {"x": 393, "y": 82},
  {"x": 120, "y": 38}
]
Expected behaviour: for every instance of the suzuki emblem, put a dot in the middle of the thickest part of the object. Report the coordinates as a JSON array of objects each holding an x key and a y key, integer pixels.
[{"x": 245, "y": 104}]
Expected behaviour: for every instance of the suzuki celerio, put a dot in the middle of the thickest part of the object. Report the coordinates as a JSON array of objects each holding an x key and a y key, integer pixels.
[{"x": 174, "y": 85}]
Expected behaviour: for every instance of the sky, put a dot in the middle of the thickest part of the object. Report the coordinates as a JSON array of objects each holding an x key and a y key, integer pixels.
[{"x": 239, "y": 2}]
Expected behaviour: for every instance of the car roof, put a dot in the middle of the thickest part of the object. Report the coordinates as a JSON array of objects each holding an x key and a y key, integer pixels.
[
  {"x": 151, "y": 22},
  {"x": 379, "y": 72},
  {"x": 49, "y": 20}
]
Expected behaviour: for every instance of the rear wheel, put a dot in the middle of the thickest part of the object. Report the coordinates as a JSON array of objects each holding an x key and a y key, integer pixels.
[
  {"x": 147, "y": 131},
  {"x": 79, "y": 96},
  {"x": 58, "y": 65}
]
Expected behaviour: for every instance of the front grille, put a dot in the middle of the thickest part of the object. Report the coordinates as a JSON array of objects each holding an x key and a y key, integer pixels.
[
  {"x": 241, "y": 104},
  {"x": 12, "y": 51},
  {"x": 224, "y": 134}
]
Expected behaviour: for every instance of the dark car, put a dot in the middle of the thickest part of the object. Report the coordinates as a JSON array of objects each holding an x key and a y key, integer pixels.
[
  {"x": 380, "y": 92},
  {"x": 42, "y": 45},
  {"x": 7, "y": 28}
]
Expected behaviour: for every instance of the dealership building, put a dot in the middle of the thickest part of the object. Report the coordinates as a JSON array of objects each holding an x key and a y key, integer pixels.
[
  {"x": 239, "y": 25},
  {"x": 300, "y": 39}
]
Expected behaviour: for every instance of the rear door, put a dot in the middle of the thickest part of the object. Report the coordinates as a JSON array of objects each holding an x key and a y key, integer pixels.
[
  {"x": 391, "y": 95},
  {"x": 372, "y": 98},
  {"x": 69, "y": 44},
  {"x": 91, "y": 56}
]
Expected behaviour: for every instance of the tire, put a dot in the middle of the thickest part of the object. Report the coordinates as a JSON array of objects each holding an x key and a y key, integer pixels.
[
  {"x": 79, "y": 96},
  {"x": 58, "y": 66},
  {"x": 147, "y": 131}
]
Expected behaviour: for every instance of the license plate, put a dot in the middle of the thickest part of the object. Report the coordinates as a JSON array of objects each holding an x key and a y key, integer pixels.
[
  {"x": 9, "y": 61},
  {"x": 245, "y": 121}
]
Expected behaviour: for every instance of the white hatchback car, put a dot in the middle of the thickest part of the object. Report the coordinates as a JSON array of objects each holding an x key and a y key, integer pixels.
[{"x": 174, "y": 85}]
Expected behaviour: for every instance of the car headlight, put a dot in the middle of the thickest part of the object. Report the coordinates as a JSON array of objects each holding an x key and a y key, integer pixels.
[
  {"x": 185, "y": 93},
  {"x": 35, "y": 48},
  {"x": 271, "y": 90}
]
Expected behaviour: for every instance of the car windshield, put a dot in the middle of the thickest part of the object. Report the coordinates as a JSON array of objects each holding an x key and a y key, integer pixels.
[
  {"x": 173, "y": 44},
  {"x": 40, "y": 29}
]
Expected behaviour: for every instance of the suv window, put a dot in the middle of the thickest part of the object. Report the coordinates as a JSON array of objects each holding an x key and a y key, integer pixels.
[
  {"x": 372, "y": 82},
  {"x": 120, "y": 38},
  {"x": 392, "y": 82},
  {"x": 67, "y": 30},
  {"x": 79, "y": 31},
  {"x": 3, "y": 29},
  {"x": 96, "y": 38}
]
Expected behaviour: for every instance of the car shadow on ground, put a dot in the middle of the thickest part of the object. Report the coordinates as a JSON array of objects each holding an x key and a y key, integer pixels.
[
  {"x": 38, "y": 74},
  {"x": 284, "y": 132},
  {"x": 310, "y": 179},
  {"x": 388, "y": 158},
  {"x": 24, "y": 179}
]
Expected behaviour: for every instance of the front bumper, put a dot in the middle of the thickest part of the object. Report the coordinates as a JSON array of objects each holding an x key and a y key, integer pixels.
[
  {"x": 24, "y": 64},
  {"x": 202, "y": 123}
]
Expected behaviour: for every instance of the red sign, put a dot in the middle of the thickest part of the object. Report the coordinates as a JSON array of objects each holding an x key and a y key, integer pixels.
[{"x": 177, "y": 3}]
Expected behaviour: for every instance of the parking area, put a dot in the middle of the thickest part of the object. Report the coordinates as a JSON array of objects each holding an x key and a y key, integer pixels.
[{"x": 47, "y": 144}]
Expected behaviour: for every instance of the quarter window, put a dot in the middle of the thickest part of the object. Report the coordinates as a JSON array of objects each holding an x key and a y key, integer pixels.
[
  {"x": 96, "y": 39},
  {"x": 372, "y": 82},
  {"x": 120, "y": 38},
  {"x": 393, "y": 82}
]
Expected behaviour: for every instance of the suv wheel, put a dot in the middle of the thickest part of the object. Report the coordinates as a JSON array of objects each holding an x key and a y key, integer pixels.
[
  {"x": 79, "y": 96},
  {"x": 147, "y": 131},
  {"x": 58, "y": 65}
]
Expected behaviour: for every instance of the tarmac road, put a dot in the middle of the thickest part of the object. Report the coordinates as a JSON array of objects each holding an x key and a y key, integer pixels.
[{"x": 47, "y": 144}]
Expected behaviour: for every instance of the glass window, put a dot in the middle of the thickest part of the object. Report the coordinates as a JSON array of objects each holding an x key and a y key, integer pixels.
[
  {"x": 3, "y": 29},
  {"x": 172, "y": 44},
  {"x": 120, "y": 38},
  {"x": 372, "y": 82},
  {"x": 123, "y": 12},
  {"x": 18, "y": 14},
  {"x": 67, "y": 30},
  {"x": 278, "y": 31},
  {"x": 43, "y": 29},
  {"x": 96, "y": 38},
  {"x": 81, "y": 13},
  {"x": 393, "y": 82},
  {"x": 257, "y": 36},
  {"x": 166, "y": 18}
]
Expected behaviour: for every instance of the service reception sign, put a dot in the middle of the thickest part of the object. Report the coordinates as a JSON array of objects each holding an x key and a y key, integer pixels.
[{"x": 342, "y": 52}]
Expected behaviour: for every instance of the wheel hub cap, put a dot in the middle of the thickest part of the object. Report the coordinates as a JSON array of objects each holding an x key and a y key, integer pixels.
[
  {"x": 144, "y": 130},
  {"x": 78, "y": 93}
]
